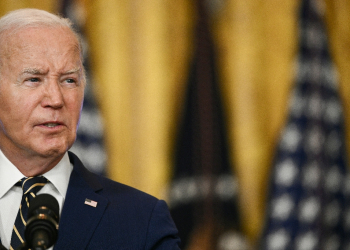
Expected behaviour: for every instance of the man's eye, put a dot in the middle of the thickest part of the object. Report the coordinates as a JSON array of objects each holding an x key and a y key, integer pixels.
[
  {"x": 33, "y": 80},
  {"x": 70, "y": 80}
]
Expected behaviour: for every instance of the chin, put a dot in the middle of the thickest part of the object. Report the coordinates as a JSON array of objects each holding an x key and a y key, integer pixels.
[
  {"x": 51, "y": 153},
  {"x": 55, "y": 150}
]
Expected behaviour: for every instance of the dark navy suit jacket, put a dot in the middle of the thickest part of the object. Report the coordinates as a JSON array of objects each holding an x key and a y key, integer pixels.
[{"x": 124, "y": 218}]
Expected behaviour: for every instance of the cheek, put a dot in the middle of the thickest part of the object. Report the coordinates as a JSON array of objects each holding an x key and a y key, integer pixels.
[
  {"x": 9, "y": 106},
  {"x": 16, "y": 107},
  {"x": 15, "y": 117},
  {"x": 74, "y": 104}
]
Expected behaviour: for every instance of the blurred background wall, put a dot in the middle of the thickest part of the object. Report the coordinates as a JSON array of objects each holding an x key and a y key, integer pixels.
[{"x": 139, "y": 59}]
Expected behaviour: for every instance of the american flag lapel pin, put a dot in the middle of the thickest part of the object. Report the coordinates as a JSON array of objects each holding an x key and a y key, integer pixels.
[{"x": 90, "y": 202}]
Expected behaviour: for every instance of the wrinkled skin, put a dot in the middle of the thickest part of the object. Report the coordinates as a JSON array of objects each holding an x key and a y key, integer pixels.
[{"x": 41, "y": 96}]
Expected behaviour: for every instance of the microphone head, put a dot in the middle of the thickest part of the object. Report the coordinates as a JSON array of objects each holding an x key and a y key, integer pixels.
[
  {"x": 43, "y": 200},
  {"x": 42, "y": 222}
]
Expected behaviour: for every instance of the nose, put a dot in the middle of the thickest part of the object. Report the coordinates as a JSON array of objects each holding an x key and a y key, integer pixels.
[{"x": 53, "y": 96}]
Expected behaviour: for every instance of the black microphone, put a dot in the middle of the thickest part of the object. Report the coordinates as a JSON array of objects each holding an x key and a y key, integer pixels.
[{"x": 42, "y": 225}]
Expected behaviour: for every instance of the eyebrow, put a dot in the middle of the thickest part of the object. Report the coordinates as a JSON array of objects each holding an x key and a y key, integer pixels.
[
  {"x": 36, "y": 71},
  {"x": 33, "y": 71},
  {"x": 72, "y": 71}
]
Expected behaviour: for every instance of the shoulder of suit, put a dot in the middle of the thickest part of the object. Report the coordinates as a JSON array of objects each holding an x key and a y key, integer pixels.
[
  {"x": 113, "y": 190},
  {"x": 114, "y": 187}
]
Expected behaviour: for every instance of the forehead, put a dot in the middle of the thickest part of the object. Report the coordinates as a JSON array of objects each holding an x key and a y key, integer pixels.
[{"x": 36, "y": 42}]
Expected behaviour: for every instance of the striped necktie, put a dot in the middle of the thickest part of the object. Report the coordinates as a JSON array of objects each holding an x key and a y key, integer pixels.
[{"x": 30, "y": 187}]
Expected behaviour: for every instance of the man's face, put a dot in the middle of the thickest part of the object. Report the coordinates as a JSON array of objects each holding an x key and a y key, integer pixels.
[{"x": 41, "y": 92}]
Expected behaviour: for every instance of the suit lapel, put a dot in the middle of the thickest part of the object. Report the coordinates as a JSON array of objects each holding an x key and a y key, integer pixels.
[{"x": 79, "y": 220}]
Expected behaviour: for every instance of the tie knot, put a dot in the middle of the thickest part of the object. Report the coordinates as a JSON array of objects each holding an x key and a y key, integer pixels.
[{"x": 32, "y": 184}]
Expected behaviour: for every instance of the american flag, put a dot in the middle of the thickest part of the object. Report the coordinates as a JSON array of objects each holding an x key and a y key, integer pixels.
[
  {"x": 89, "y": 145},
  {"x": 90, "y": 202},
  {"x": 309, "y": 190}
]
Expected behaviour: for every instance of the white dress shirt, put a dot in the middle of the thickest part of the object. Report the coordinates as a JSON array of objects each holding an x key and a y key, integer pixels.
[{"x": 10, "y": 195}]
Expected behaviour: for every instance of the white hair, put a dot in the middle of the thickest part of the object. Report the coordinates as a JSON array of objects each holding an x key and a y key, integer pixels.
[{"x": 31, "y": 17}]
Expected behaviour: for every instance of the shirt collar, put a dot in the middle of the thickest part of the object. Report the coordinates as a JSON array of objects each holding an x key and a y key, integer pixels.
[
  {"x": 58, "y": 176},
  {"x": 9, "y": 175}
]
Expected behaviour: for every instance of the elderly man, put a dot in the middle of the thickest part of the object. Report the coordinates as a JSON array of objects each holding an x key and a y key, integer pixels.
[{"x": 42, "y": 84}]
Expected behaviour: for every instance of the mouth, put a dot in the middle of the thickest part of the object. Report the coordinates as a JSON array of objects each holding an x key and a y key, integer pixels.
[{"x": 51, "y": 124}]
